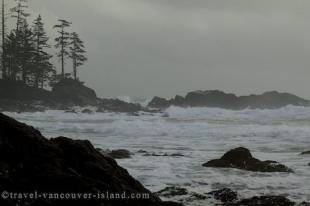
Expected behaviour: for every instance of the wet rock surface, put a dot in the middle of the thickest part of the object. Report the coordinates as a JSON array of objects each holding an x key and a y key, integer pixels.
[
  {"x": 30, "y": 162},
  {"x": 241, "y": 158},
  {"x": 172, "y": 191},
  {"x": 224, "y": 195},
  {"x": 119, "y": 154}
]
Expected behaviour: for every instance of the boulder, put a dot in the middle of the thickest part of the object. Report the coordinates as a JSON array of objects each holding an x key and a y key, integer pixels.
[
  {"x": 30, "y": 162},
  {"x": 158, "y": 102},
  {"x": 74, "y": 92},
  {"x": 172, "y": 191},
  {"x": 211, "y": 98},
  {"x": 119, "y": 154},
  {"x": 116, "y": 105},
  {"x": 224, "y": 195},
  {"x": 241, "y": 158},
  {"x": 87, "y": 111}
]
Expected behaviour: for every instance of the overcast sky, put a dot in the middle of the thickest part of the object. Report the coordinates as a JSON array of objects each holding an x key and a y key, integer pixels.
[{"x": 169, "y": 47}]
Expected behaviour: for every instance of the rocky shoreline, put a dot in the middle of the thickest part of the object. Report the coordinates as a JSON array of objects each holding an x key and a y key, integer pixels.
[
  {"x": 29, "y": 161},
  {"x": 15, "y": 96}
]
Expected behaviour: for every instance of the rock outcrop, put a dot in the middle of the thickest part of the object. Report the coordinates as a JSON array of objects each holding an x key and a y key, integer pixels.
[
  {"x": 16, "y": 96},
  {"x": 224, "y": 195},
  {"x": 70, "y": 91},
  {"x": 219, "y": 99},
  {"x": 241, "y": 158},
  {"x": 29, "y": 162}
]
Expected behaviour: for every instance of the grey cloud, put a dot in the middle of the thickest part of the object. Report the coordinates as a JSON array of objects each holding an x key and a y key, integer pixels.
[{"x": 168, "y": 47}]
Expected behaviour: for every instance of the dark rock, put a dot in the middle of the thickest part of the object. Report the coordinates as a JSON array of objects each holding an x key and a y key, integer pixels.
[
  {"x": 264, "y": 201},
  {"x": 119, "y": 154},
  {"x": 224, "y": 195},
  {"x": 162, "y": 155},
  {"x": 215, "y": 98},
  {"x": 272, "y": 100},
  {"x": 30, "y": 162},
  {"x": 241, "y": 158},
  {"x": 304, "y": 204},
  {"x": 87, "y": 111},
  {"x": 158, "y": 102},
  {"x": 70, "y": 91},
  {"x": 172, "y": 191},
  {"x": 179, "y": 101},
  {"x": 116, "y": 105},
  {"x": 18, "y": 90},
  {"x": 305, "y": 153},
  {"x": 212, "y": 98}
]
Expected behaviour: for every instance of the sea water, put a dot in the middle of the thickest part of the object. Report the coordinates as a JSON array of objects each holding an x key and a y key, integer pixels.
[{"x": 196, "y": 135}]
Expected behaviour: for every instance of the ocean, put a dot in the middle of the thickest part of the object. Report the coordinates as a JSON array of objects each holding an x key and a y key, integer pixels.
[{"x": 180, "y": 140}]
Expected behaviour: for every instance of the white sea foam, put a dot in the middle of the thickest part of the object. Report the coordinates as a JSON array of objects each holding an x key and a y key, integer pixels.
[{"x": 200, "y": 134}]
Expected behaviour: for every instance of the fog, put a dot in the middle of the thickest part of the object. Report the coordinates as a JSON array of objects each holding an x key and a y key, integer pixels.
[{"x": 168, "y": 47}]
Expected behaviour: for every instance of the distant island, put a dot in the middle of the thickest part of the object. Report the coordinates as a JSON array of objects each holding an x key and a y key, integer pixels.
[{"x": 16, "y": 96}]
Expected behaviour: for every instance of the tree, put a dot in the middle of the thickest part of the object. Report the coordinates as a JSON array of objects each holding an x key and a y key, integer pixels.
[
  {"x": 26, "y": 54},
  {"x": 77, "y": 51},
  {"x": 19, "y": 13},
  {"x": 9, "y": 46},
  {"x": 62, "y": 43},
  {"x": 42, "y": 67},
  {"x": 3, "y": 62}
]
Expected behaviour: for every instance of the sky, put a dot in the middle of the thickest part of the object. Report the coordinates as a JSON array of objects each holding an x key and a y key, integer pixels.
[{"x": 167, "y": 47}]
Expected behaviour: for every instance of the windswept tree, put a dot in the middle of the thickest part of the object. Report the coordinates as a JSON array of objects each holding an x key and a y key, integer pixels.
[
  {"x": 9, "y": 46},
  {"x": 20, "y": 14},
  {"x": 42, "y": 65},
  {"x": 26, "y": 54},
  {"x": 77, "y": 53},
  {"x": 62, "y": 43}
]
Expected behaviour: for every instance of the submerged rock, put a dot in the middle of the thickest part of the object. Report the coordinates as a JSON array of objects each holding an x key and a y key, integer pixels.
[
  {"x": 241, "y": 158},
  {"x": 30, "y": 162},
  {"x": 224, "y": 195},
  {"x": 264, "y": 201},
  {"x": 119, "y": 154},
  {"x": 87, "y": 111},
  {"x": 172, "y": 191}
]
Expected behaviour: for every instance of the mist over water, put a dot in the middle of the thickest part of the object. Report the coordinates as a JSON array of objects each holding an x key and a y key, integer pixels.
[{"x": 199, "y": 134}]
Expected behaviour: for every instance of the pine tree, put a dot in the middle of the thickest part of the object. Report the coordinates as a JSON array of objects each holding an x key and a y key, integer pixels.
[
  {"x": 9, "y": 46},
  {"x": 19, "y": 13},
  {"x": 26, "y": 54},
  {"x": 77, "y": 51},
  {"x": 42, "y": 67},
  {"x": 62, "y": 43}
]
